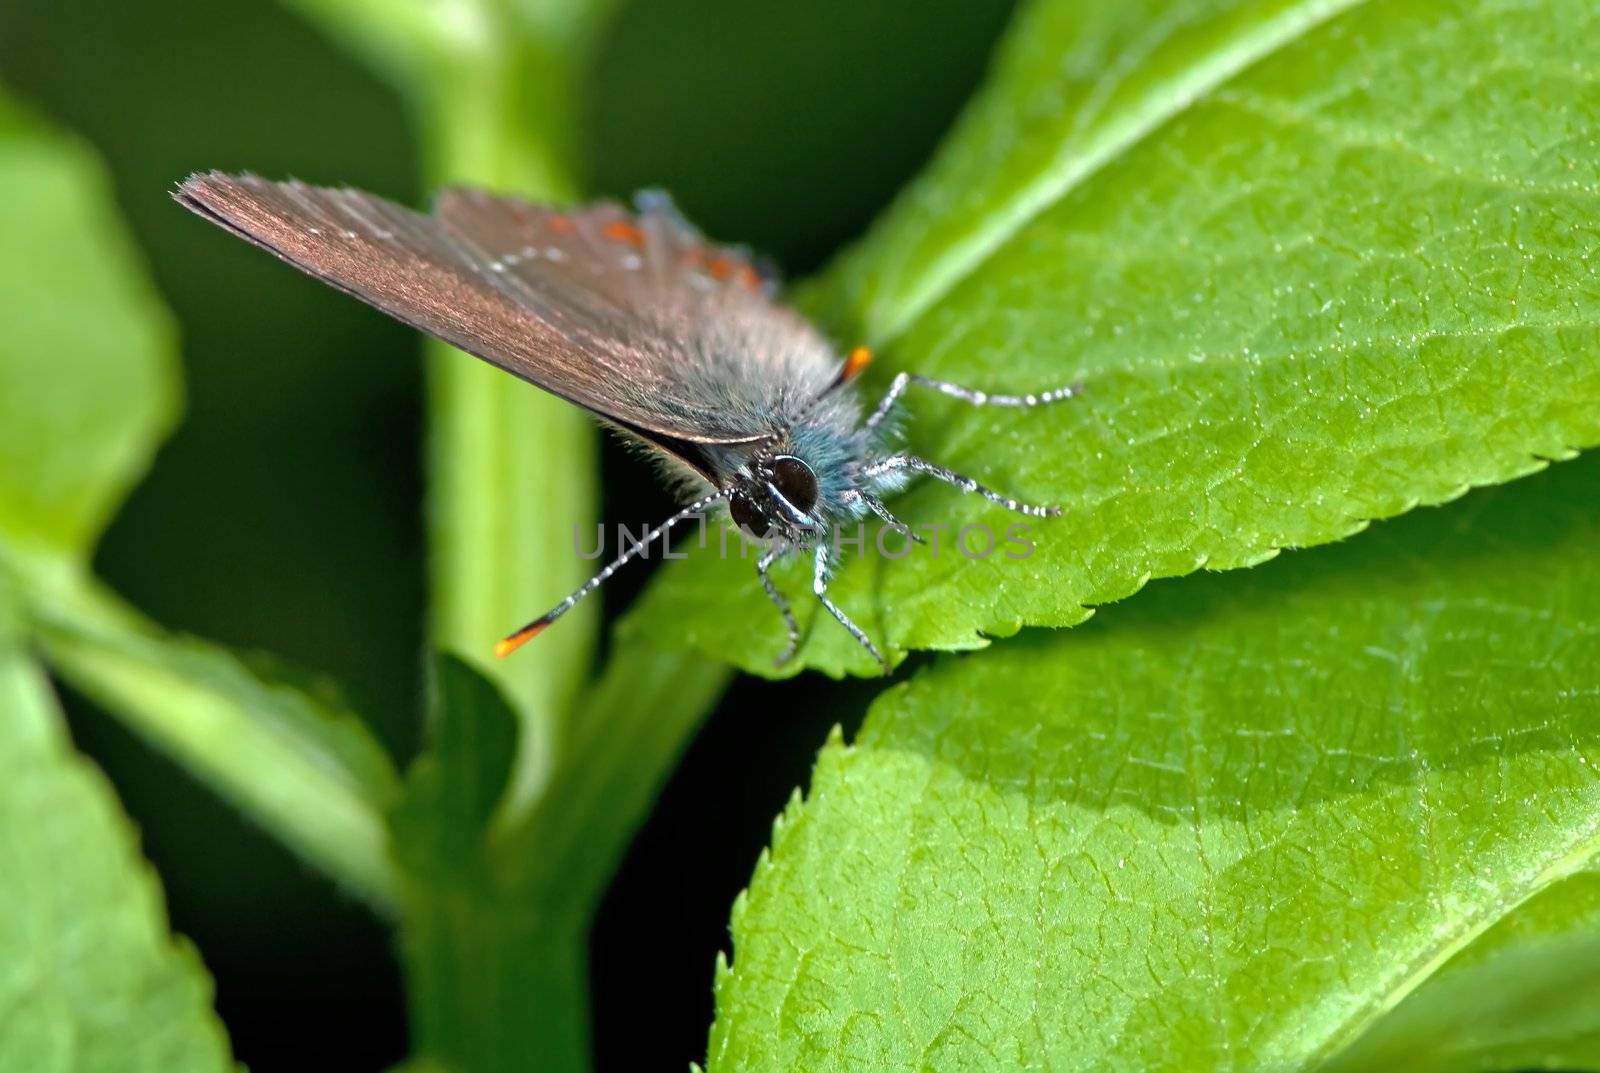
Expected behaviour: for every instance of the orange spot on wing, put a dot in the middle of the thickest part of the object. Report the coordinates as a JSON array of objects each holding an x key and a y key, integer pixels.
[
  {"x": 859, "y": 359},
  {"x": 562, "y": 225},
  {"x": 518, "y": 639},
  {"x": 723, "y": 268},
  {"x": 623, "y": 231}
]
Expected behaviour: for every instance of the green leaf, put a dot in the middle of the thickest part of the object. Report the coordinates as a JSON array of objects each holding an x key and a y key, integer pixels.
[
  {"x": 1315, "y": 262},
  {"x": 88, "y": 370},
  {"x": 1228, "y": 825},
  {"x": 90, "y": 977},
  {"x": 88, "y": 384},
  {"x": 492, "y": 971},
  {"x": 496, "y": 922},
  {"x": 1514, "y": 999},
  {"x": 452, "y": 789},
  {"x": 296, "y": 760}
]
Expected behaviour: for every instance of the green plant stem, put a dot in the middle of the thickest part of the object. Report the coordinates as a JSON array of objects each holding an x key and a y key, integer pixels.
[
  {"x": 513, "y": 470},
  {"x": 495, "y": 986},
  {"x": 495, "y": 957},
  {"x": 500, "y": 982},
  {"x": 289, "y": 782},
  {"x": 496, "y": 950},
  {"x": 637, "y": 719}
]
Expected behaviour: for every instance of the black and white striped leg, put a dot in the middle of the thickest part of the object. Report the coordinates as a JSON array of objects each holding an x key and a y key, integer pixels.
[
  {"x": 903, "y": 463},
  {"x": 901, "y": 381},
  {"x": 875, "y": 505},
  {"x": 763, "y": 564},
  {"x": 819, "y": 585}
]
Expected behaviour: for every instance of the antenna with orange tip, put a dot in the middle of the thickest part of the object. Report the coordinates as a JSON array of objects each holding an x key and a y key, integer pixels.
[
  {"x": 516, "y": 640},
  {"x": 858, "y": 359},
  {"x": 508, "y": 645}
]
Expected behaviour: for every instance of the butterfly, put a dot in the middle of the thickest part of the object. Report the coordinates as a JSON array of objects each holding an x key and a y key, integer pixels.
[{"x": 680, "y": 344}]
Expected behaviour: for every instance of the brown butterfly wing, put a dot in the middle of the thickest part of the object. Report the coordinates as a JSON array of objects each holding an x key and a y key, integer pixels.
[
  {"x": 606, "y": 322},
  {"x": 692, "y": 328},
  {"x": 628, "y": 261}
]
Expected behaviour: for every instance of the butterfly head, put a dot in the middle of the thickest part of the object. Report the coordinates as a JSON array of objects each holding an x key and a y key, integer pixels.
[{"x": 776, "y": 498}]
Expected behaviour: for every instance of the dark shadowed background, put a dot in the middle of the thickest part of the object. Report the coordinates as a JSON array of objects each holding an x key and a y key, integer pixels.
[{"x": 285, "y": 514}]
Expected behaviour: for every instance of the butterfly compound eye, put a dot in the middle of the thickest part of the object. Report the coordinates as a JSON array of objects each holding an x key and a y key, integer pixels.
[
  {"x": 747, "y": 515},
  {"x": 794, "y": 479}
]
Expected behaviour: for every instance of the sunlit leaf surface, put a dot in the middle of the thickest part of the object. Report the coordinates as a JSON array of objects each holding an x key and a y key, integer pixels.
[
  {"x": 1316, "y": 263},
  {"x": 1225, "y": 826}
]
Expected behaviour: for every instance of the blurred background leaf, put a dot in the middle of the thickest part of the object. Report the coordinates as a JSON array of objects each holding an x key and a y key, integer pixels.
[
  {"x": 299, "y": 763},
  {"x": 93, "y": 980},
  {"x": 88, "y": 365},
  {"x": 83, "y": 416},
  {"x": 1307, "y": 280},
  {"x": 1228, "y": 825}
]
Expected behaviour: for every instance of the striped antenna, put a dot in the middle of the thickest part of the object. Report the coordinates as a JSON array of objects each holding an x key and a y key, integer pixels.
[{"x": 516, "y": 640}]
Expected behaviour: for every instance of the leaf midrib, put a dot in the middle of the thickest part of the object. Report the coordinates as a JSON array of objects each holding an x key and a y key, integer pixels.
[{"x": 1164, "y": 101}]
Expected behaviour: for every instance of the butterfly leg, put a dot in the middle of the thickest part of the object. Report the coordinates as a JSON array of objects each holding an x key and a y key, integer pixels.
[
  {"x": 763, "y": 564},
  {"x": 819, "y": 585},
  {"x": 901, "y": 381},
  {"x": 875, "y": 505},
  {"x": 911, "y": 463}
]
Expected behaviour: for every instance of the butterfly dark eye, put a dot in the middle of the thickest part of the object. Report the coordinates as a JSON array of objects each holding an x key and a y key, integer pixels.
[
  {"x": 747, "y": 515},
  {"x": 795, "y": 481}
]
